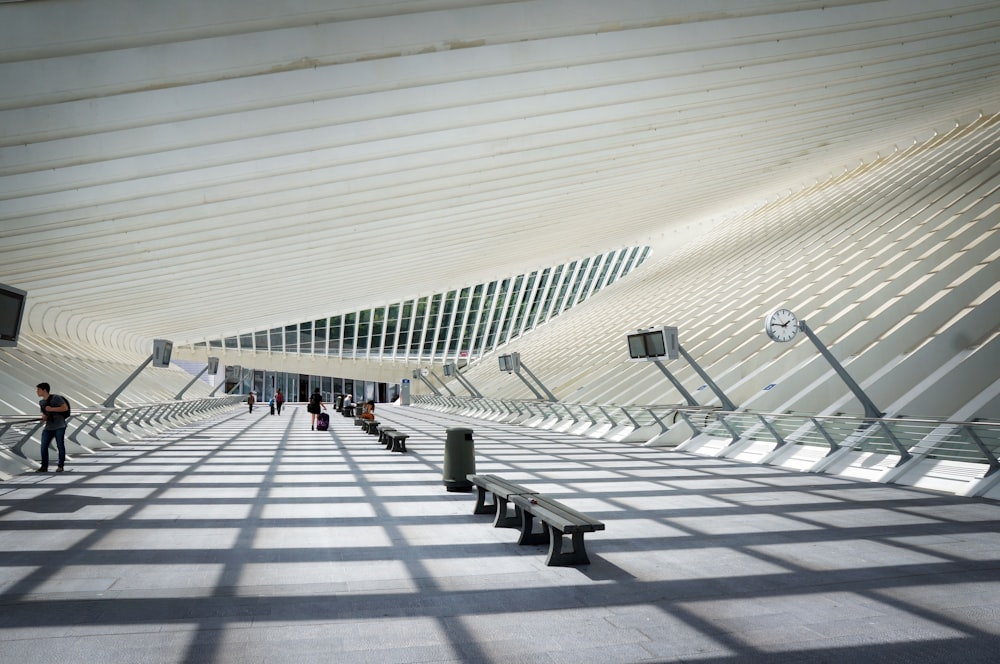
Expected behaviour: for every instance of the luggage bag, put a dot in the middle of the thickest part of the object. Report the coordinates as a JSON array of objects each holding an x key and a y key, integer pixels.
[{"x": 322, "y": 422}]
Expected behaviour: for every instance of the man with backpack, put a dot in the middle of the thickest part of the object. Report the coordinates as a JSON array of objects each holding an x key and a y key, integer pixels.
[{"x": 55, "y": 410}]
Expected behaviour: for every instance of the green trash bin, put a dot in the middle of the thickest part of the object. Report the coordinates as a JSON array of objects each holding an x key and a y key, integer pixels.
[{"x": 459, "y": 459}]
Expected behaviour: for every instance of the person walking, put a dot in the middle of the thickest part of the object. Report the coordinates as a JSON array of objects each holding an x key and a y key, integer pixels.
[
  {"x": 315, "y": 404},
  {"x": 279, "y": 399},
  {"x": 54, "y": 409},
  {"x": 250, "y": 399}
]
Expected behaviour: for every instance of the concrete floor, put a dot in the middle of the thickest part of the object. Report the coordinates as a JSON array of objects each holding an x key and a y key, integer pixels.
[{"x": 252, "y": 539}]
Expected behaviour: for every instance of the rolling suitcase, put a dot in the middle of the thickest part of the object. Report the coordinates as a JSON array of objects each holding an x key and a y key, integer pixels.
[{"x": 322, "y": 422}]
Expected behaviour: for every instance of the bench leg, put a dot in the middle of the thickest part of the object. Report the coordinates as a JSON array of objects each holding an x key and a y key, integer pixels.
[
  {"x": 481, "y": 506},
  {"x": 503, "y": 518},
  {"x": 528, "y": 536},
  {"x": 559, "y": 558}
]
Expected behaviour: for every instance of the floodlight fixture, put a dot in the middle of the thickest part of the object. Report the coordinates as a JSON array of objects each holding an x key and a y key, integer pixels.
[
  {"x": 162, "y": 350},
  {"x": 655, "y": 343},
  {"x": 12, "y": 305},
  {"x": 510, "y": 363}
]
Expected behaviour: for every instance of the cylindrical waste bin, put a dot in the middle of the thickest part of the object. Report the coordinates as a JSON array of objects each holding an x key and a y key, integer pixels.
[
  {"x": 340, "y": 403},
  {"x": 459, "y": 459}
]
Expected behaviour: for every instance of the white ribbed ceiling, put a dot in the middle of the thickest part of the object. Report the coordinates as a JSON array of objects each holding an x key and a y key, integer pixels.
[{"x": 185, "y": 169}]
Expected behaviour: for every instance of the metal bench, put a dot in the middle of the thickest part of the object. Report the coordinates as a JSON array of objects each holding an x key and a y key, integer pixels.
[
  {"x": 557, "y": 521},
  {"x": 501, "y": 490},
  {"x": 397, "y": 441},
  {"x": 394, "y": 441}
]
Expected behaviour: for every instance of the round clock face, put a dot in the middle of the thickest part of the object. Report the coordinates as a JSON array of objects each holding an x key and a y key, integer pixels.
[
  {"x": 781, "y": 325},
  {"x": 425, "y": 371}
]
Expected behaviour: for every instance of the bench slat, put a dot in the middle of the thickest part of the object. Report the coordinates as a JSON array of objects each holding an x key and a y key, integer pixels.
[
  {"x": 561, "y": 517},
  {"x": 498, "y": 485},
  {"x": 502, "y": 491},
  {"x": 557, "y": 520}
]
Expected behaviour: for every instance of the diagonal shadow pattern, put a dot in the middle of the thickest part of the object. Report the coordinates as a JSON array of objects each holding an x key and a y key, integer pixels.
[{"x": 252, "y": 538}]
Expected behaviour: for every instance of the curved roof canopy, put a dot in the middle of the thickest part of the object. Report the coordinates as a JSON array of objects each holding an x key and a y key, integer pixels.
[{"x": 190, "y": 169}]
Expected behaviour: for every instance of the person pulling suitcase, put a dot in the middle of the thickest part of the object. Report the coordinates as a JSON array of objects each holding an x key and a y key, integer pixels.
[{"x": 314, "y": 408}]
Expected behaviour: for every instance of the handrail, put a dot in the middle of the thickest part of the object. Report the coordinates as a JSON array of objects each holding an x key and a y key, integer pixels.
[
  {"x": 903, "y": 437},
  {"x": 89, "y": 428},
  {"x": 80, "y": 412}
]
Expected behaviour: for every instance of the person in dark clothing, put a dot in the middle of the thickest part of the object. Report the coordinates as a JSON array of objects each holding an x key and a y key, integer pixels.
[
  {"x": 54, "y": 408},
  {"x": 315, "y": 404},
  {"x": 279, "y": 399}
]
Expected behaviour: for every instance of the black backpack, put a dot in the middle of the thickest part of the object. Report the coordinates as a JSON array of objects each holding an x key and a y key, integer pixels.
[{"x": 69, "y": 409}]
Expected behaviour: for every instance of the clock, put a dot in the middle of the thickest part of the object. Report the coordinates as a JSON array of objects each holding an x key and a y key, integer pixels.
[
  {"x": 425, "y": 372},
  {"x": 781, "y": 325}
]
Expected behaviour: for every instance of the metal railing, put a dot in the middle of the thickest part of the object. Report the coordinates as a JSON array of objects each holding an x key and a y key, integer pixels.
[
  {"x": 976, "y": 442},
  {"x": 89, "y": 428}
]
